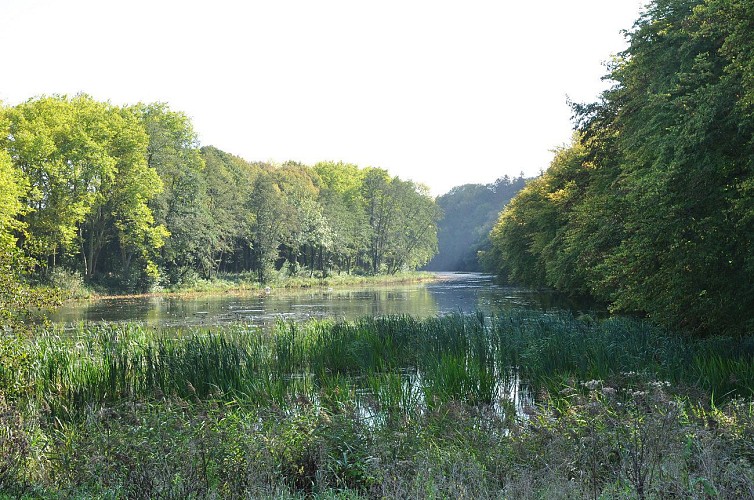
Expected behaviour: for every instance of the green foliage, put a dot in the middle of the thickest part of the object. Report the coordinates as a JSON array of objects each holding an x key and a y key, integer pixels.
[
  {"x": 402, "y": 222},
  {"x": 529, "y": 243},
  {"x": 266, "y": 222},
  {"x": 13, "y": 188},
  {"x": 386, "y": 407},
  {"x": 84, "y": 163},
  {"x": 125, "y": 197},
  {"x": 469, "y": 213},
  {"x": 342, "y": 207},
  {"x": 18, "y": 300},
  {"x": 229, "y": 180},
  {"x": 649, "y": 209},
  {"x": 328, "y": 218},
  {"x": 183, "y": 205},
  {"x": 61, "y": 147}
]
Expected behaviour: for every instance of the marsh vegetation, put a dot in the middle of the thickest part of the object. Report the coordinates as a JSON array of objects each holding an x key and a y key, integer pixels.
[{"x": 523, "y": 403}]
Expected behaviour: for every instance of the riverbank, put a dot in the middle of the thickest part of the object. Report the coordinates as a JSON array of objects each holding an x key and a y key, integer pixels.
[
  {"x": 525, "y": 404},
  {"x": 246, "y": 283}
]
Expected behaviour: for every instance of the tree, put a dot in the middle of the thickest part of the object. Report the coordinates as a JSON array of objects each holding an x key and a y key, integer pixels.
[
  {"x": 18, "y": 300},
  {"x": 13, "y": 188},
  {"x": 265, "y": 223},
  {"x": 229, "y": 180},
  {"x": 304, "y": 229},
  {"x": 122, "y": 213},
  {"x": 412, "y": 237},
  {"x": 344, "y": 210},
  {"x": 89, "y": 182},
  {"x": 656, "y": 211},
  {"x": 402, "y": 222},
  {"x": 183, "y": 205},
  {"x": 380, "y": 212},
  {"x": 60, "y": 146}
]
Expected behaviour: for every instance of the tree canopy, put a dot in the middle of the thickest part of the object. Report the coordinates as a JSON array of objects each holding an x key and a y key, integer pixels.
[
  {"x": 126, "y": 197},
  {"x": 651, "y": 208},
  {"x": 469, "y": 212}
]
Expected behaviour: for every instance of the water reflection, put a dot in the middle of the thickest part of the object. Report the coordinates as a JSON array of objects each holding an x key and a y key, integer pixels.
[
  {"x": 454, "y": 292},
  {"x": 468, "y": 292}
]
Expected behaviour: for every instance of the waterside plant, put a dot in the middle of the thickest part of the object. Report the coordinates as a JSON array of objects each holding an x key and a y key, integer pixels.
[{"x": 520, "y": 404}]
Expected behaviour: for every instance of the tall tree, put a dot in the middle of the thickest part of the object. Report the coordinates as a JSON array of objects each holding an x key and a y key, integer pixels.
[
  {"x": 183, "y": 205},
  {"x": 658, "y": 217},
  {"x": 13, "y": 189},
  {"x": 402, "y": 222},
  {"x": 229, "y": 180},
  {"x": 60, "y": 146},
  {"x": 266, "y": 224},
  {"x": 344, "y": 209},
  {"x": 412, "y": 237},
  {"x": 380, "y": 211},
  {"x": 18, "y": 300},
  {"x": 122, "y": 214},
  {"x": 89, "y": 182}
]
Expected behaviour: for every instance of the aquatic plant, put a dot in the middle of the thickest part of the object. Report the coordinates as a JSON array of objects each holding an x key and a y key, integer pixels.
[
  {"x": 458, "y": 357},
  {"x": 393, "y": 406}
]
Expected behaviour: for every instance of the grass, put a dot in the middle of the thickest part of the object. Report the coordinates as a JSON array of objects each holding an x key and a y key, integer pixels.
[
  {"x": 247, "y": 282},
  {"x": 521, "y": 404},
  {"x": 464, "y": 358}
]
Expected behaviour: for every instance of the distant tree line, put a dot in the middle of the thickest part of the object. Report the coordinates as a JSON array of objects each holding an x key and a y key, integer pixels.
[
  {"x": 125, "y": 197},
  {"x": 651, "y": 209},
  {"x": 470, "y": 211}
]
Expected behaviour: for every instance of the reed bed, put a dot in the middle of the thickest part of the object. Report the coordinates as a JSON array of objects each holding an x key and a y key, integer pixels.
[
  {"x": 519, "y": 404},
  {"x": 467, "y": 358}
]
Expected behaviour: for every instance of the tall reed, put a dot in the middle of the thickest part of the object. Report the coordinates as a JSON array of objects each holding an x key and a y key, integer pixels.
[{"x": 469, "y": 358}]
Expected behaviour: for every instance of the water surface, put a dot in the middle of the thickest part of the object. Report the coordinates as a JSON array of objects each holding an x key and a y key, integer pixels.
[{"x": 452, "y": 292}]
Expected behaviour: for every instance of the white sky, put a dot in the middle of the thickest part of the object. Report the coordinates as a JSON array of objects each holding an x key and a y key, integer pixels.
[{"x": 442, "y": 93}]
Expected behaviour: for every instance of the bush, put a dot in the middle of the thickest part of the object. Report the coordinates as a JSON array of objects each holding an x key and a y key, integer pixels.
[{"x": 70, "y": 283}]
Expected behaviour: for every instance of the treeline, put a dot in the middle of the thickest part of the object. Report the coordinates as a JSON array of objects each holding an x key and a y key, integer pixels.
[
  {"x": 470, "y": 211},
  {"x": 126, "y": 198},
  {"x": 651, "y": 209}
]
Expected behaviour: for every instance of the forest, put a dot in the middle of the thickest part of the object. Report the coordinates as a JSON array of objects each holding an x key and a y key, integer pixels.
[
  {"x": 651, "y": 208},
  {"x": 125, "y": 199},
  {"x": 469, "y": 212}
]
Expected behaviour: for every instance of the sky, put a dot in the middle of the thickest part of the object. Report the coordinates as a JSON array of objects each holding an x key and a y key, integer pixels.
[{"x": 443, "y": 93}]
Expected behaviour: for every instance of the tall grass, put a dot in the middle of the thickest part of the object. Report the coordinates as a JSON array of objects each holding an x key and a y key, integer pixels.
[
  {"x": 390, "y": 407},
  {"x": 468, "y": 358}
]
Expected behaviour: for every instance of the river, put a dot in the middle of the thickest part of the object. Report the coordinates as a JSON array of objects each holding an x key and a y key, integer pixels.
[{"x": 451, "y": 292}]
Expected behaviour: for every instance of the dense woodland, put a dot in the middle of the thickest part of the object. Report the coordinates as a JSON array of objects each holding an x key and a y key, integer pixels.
[
  {"x": 469, "y": 212},
  {"x": 651, "y": 209},
  {"x": 125, "y": 198}
]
